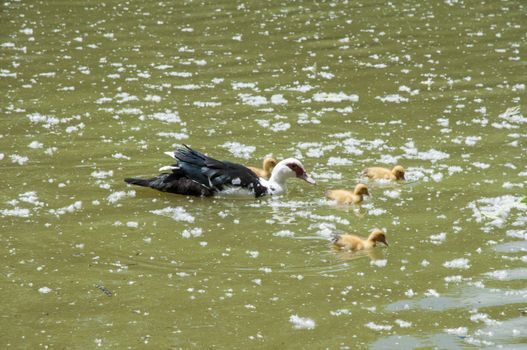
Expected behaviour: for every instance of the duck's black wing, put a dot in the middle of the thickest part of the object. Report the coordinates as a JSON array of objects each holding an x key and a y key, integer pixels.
[
  {"x": 173, "y": 183},
  {"x": 214, "y": 174},
  {"x": 197, "y": 174}
]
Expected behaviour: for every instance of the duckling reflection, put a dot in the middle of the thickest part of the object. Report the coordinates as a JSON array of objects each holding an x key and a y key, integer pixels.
[
  {"x": 378, "y": 173},
  {"x": 354, "y": 243},
  {"x": 268, "y": 165},
  {"x": 343, "y": 254},
  {"x": 349, "y": 197}
]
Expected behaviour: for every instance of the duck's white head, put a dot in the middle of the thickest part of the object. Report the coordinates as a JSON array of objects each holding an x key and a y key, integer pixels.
[{"x": 288, "y": 168}]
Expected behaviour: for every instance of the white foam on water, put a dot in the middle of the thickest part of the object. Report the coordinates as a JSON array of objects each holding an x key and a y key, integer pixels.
[
  {"x": 102, "y": 174},
  {"x": 404, "y": 88},
  {"x": 498, "y": 274},
  {"x": 392, "y": 193},
  {"x": 431, "y": 293},
  {"x": 522, "y": 234},
  {"x": 334, "y": 97},
  {"x": 393, "y": 98},
  {"x": 299, "y": 88},
  {"x": 17, "y": 159},
  {"x": 117, "y": 196},
  {"x": 18, "y": 212},
  {"x": 378, "y": 327},
  {"x": 239, "y": 150},
  {"x": 379, "y": 262},
  {"x": 252, "y": 100},
  {"x": 453, "y": 279},
  {"x": 403, "y": 324},
  {"x": 193, "y": 232},
  {"x": 278, "y": 99},
  {"x": 153, "y": 98},
  {"x": 203, "y": 104},
  {"x": 302, "y": 322},
  {"x": 31, "y": 198},
  {"x": 284, "y": 233},
  {"x": 174, "y": 135},
  {"x": 176, "y": 213},
  {"x": 280, "y": 126},
  {"x": 432, "y": 155},
  {"x": 35, "y": 145},
  {"x": 130, "y": 111},
  {"x": 461, "y": 263},
  {"x": 340, "y": 312},
  {"x": 67, "y": 209},
  {"x": 132, "y": 224},
  {"x": 481, "y": 165},
  {"x": 167, "y": 116},
  {"x": 460, "y": 331},
  {"x": 339, "y": 161},
  {"x": 485, "y": 318},
  {"x": 495, "y": 210},
  {"x": 454, "y": 169},
  {"x": 438, "y": 239},
  {"x": 327, "y": 175},
  {"x": 120, "y": 156},
  {"x": 179, "y": 74},
  {"x": 376, "y": 211},
  {"x": 44, "y": 290},
  {"x": 409, "y": 293},
  {"x": 241, "y": 85},
  {"x": 253, "y": 253},
  {"x": 513, "y": 115},
  {"x": 187, "y": 87}
]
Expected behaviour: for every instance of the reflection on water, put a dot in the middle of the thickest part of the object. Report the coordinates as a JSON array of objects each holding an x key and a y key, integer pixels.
[{"x": 96, "y": 92}]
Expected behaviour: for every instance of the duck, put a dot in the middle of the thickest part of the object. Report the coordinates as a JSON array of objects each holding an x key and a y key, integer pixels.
[
  {"x": 377, "y": 173},
  {"x": 267, "y": 167},
  {"x": 355, "y": 243},
  {"x": 348, "y": 197},
  {"x": 196, "y": 174}
]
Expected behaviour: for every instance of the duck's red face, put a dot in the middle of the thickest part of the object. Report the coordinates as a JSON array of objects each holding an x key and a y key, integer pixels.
[{"x": 301, "y": 173}]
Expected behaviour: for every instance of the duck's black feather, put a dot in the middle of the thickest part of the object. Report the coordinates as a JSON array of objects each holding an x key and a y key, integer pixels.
[
  {"x": 174, "y": 184},
  {"x": 200, "y": 175}
]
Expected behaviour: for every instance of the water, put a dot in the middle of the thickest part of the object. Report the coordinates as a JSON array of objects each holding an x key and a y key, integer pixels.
[{"x": 95, "y": 92}]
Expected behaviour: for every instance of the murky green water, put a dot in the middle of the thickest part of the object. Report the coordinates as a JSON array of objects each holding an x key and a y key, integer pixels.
[{"x": 95, "y": 91}]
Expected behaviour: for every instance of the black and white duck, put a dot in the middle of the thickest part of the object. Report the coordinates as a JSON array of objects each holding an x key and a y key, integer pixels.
[{"x": 196, "y": 174}]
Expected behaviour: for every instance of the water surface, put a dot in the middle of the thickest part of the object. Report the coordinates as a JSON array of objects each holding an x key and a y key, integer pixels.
[{"x": 97, "y": 91}]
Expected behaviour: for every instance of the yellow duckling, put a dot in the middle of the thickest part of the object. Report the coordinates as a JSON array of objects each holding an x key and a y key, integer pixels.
[
  {"x": 376, "y": 173},
  {"x": 354, "y": 243},
  {"x": 349, "y": 197},
  {"x": 268, "y": 165}
]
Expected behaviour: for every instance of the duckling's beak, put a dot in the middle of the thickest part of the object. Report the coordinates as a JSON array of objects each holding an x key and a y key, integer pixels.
[
  {"x": 402, "y": 177},
  {"x": 308, "y": 179},
  {"x": 385, "y": 243}
]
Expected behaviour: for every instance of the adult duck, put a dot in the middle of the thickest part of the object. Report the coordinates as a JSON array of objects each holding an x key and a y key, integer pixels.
[{"x": 197, "y": 174}]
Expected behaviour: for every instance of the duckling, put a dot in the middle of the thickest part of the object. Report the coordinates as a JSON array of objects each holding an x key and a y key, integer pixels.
[
  {"x": 348, "y": 197},
  {"x": 268, "y": 165},
  {"x": 376, "y": 173},
  {"x": 354, "y": 243}
]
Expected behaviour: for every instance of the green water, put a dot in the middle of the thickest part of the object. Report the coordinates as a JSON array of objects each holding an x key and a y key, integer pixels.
[{"x": 96, "y": 91}]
